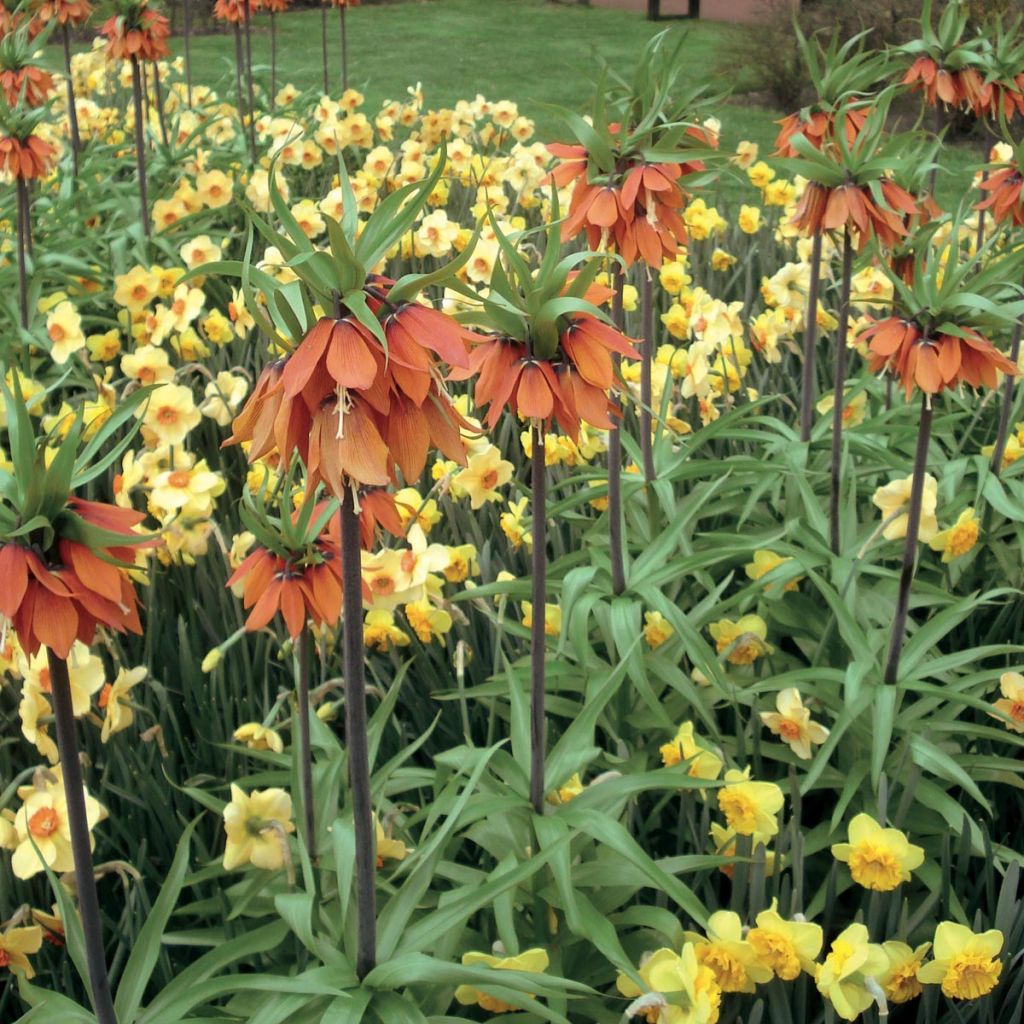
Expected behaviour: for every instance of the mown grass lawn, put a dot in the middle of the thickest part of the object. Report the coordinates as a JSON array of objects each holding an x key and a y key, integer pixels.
[{"x": 526, "y": 50}]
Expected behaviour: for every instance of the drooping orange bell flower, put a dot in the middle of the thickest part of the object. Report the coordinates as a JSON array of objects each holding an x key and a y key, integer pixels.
[
  {"x": 233, "y": 12},
  {"x": 37, "y": 83},
  {"x": 64, "y": 12},
  {"x": 637, "y": 208},
  {"x": 145, "y": 41},
  {"x": 1004, "y": 195},
  {"x": 29, "y": 158},
  {"x": 306, "y": 585},
  {"x": 816, "y": 128},
  {"x": 937, "y": 84},
  {"x": 933, "y": 363},
  {"x": 353, "y": 411},
  {"x": 54, "y": 598},
  {"x": 822, "y": 208},
  {"x": 570, "y": 388}
]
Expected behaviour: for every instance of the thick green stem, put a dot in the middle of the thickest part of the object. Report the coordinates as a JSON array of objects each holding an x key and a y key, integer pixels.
[
  {"x": 356, "y": 738},
  {"x": 924, "y": 432},
  {"x": 538, "y": 641},
  {"x": 807, "y": 386},
  {"x": 840, "y": 384},
  {"x": 81, "y": 846}
]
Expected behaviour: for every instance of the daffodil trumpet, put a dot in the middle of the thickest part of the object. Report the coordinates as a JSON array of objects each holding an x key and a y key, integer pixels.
[{"x": 81, "y": 843}]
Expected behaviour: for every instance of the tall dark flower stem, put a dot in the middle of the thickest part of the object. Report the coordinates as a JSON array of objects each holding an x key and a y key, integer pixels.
[
  {"x": 305, "y": 748},
  {"x": 140, "y": 143},
  {"x": 1006, "y": 408},
  {"x": 840, "y": 384},
  {"x": 81, "y": 849},
  {"x": 23, "y": 215},
  {"x": 899, "y": 625},
  {"x": 158, "y": 101},
  {"x": 250, "y": 96},
  {"x": 239, "y": 61},
  {"x": 938, "y": 120},
  {"x": 188, "y": 50},
  {"x": 538, "y": 641},
  {"x": 615, "y": 538},
  {"x": 76, "y": 139},
  {"x": 273, "y": 57},
  {"x": 344, "y": 47},
  {"x": 355, "y": 735},
  {"x": 646, "y": 365},
  {"x": 807, "y": 387},
  {"x": 323, "y": 42}
]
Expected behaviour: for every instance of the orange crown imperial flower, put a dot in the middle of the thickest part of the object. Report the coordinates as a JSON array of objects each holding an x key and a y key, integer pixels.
[
  {"x": 27, "y": 84},
  {"x": 27, "y": 158},
  {"x": 136, "y": 32},
  {"x": 824, "y": 208},
  {"x": 64, "y": 12},
  {"x": 64, "y": 561},
  {"x": 933, "y": 361},
  {"x": 816, "y": 127},
  {"x": 353, "y": 408},
  {"x": 234, "y": 11},
  {"x": 1003, "y": 199}
]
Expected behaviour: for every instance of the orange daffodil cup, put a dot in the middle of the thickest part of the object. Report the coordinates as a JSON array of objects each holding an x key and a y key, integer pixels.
[
  {"x": 359, "y": 400},
  {"x": 65, "y": 565},
  {"x": 626, "y": 169},
  {"x": 548, "y": 357}
]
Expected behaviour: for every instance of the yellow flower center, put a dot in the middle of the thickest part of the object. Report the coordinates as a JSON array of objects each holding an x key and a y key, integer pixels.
[
  {"x": 56, "y": 333},
  {"x": 178, "y": 307},
  {"x": 489, "y": 479},
  {"x": 139, "y": 292},
  {"x": 44, "y": 823},
  {"x": 776, "y": 952},
  {"x": 167, "y": 415},
  {"x": 730, "y": 974},
  {"x": 971, "y": 976},
  {"x": 179, "y": 478},
  {"x": 382, "y": 585},
  {"x": 789, "y": 730},
  {"x": 875, "y": 867},
  {"x": 903, "y": 985},
  {"x": 739, "y": 810},
  {"x": 836, "y": 959},
  {"x": 962, "y": 538}
]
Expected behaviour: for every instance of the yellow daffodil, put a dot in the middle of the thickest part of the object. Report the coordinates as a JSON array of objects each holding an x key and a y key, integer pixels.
[
  {"x": 742, "y": 642},
  {"x": 380, "y": 631},
  {"x": 571, "y": 788},
  {"x": 853, "y": 408},
  {"x": 428, "y": 621},
  {"x": 959, "y": 538},
  {"x": 259, "y": 737},
  {"x": 16, "y": 946},
  {"x": 64, "y": 328},
  {"x": 531, "y": 961},
  {"x": 43, "y": 833},
  {"x": 657, "y": 629},
  {"x": 731, "y": 957},
  {"x": 750, "y": 807},
  {"x": 764, "y": 562},
  {"x": 257, "y": 825},
  {"x": 899, "y": 981},
  {"x": 791, "y": 722},
  {"x": 965, "y": 964},
  {"x": 170, "y": 414},
  {"x": 749, "y": 219},
  {"x": 851, "y": 966},
  {"x": 785, "y": 947},
  {"x": 1011, "y": 704},
  {"x": 701, "y": 762},
  {"x": 879, "y": 858},
  {"x": 892, "y": 499},
  {"x": 678, "y": 989},
  {"x": 552, "y": 618},
  {"x": 118, "y": 713},
  {"x": 724, "y": 841},
  {"x": 485, "y": 472}
]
